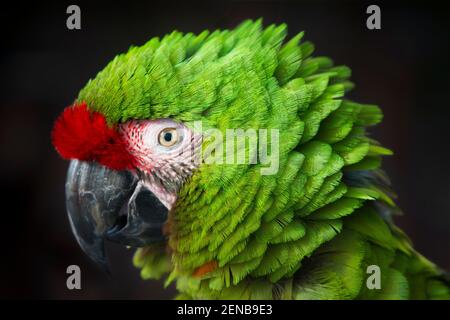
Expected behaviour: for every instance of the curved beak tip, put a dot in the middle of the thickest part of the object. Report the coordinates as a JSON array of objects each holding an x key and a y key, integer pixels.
[{"x": 96, "y": 198}]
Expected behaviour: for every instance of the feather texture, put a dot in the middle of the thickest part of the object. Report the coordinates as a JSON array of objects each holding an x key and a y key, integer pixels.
[{"x": 307, "y": 232}]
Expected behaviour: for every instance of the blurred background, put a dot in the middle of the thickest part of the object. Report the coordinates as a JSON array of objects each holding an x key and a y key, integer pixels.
[{"x": 404, "y": 68}]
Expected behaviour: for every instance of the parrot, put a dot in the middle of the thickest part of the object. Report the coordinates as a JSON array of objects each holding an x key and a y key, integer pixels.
[{"x": 319, "y": 227}]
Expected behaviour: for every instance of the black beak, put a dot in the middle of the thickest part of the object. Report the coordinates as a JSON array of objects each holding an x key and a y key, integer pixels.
[{"x": 114, "y": 205}]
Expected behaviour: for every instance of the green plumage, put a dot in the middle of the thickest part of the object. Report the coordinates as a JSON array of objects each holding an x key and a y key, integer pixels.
[{"x": 307, "y": 232}]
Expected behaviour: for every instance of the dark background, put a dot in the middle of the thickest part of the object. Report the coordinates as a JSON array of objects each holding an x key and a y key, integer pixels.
[{"x": 404, "y": 68}]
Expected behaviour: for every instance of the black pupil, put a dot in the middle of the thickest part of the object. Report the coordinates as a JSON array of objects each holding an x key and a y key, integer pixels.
[{"x": 168, "y": 136}]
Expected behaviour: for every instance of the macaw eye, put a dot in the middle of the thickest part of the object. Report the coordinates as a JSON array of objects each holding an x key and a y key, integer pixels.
[{"x": 168, "y": 137}]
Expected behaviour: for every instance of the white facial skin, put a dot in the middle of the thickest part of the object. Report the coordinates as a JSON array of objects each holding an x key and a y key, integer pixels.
[{"x": 165, "y": 151}]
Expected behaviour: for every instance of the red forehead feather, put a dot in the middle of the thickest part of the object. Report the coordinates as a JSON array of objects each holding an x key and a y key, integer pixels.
[{"x": 84, "y": 135}]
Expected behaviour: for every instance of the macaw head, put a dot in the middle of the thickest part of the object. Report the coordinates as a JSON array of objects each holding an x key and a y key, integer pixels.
[
  {"x": 124, "y": 177},
  {"x": 135, "y": 133}
]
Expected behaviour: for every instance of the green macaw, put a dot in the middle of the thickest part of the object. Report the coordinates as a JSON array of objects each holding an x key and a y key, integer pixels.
[{"x": 318, "y": 227}]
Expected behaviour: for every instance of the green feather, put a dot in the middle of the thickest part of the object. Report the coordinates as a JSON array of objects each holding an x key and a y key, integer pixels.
[{"x": 306, "y": 232}]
